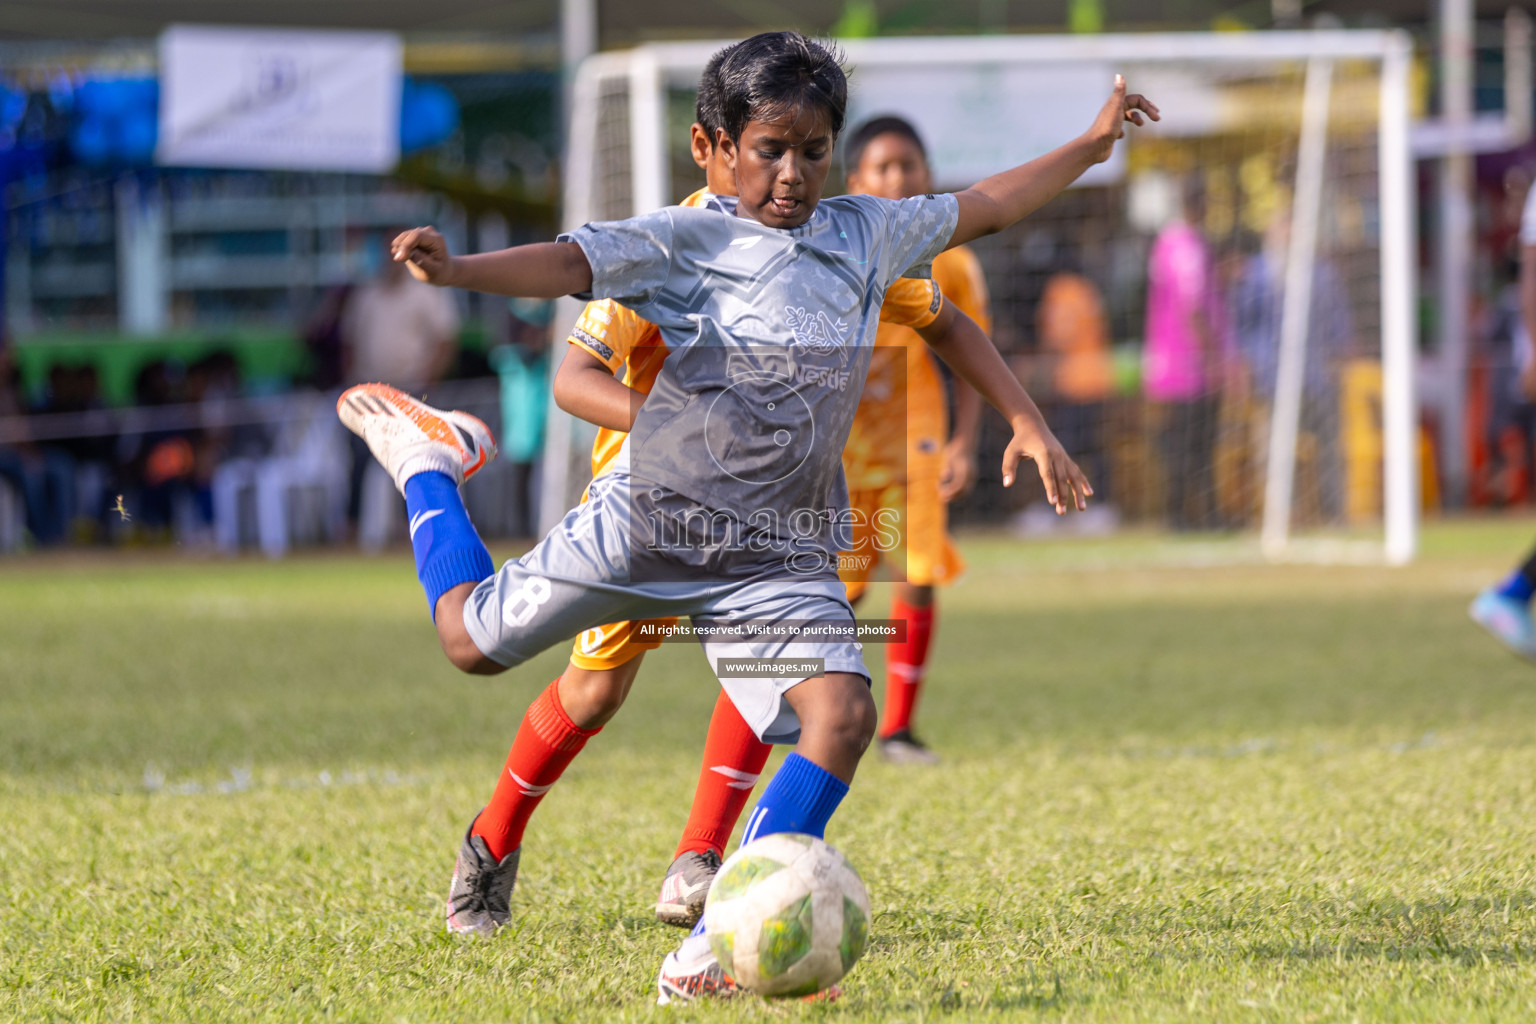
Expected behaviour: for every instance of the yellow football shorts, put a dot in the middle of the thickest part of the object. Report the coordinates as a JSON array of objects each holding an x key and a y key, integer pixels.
[
  {"x": 907, "y": 525},
  {"x": 605, "y": 647}
]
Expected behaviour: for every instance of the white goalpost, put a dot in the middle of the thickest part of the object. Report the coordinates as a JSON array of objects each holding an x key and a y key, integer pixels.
[{"x": 1299, "y": 145}]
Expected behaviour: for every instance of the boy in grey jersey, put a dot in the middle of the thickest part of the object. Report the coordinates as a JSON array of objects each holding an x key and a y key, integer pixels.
[
  {"x": 771, "y": 332},
  {"x": 767, "y": 307}
]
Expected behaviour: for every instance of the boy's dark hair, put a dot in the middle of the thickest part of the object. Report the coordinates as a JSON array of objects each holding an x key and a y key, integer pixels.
[
  {"x": 869, "y": 131},
  {"x": 774, "y": 73},
  {"x": 706, "y": 109}
]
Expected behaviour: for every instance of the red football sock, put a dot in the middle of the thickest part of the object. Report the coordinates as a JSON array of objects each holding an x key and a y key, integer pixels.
[
  {"x": 905, "y": 664},
  {"x": 545, "y": 744},
  {"x": 733, "y": 759}
]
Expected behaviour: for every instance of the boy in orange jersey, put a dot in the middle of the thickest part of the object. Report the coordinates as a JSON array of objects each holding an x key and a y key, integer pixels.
[
  {"x": 607, "y": 339},
  {"x": 900, "y": 465}
]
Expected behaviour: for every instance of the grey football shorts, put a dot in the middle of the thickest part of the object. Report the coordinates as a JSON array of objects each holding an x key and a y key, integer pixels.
[{"x": 588, "y": 572}]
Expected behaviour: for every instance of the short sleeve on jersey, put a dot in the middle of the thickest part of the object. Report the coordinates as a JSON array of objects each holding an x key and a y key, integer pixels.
[
  {"x": 912, "y": 302},
  {"x": 630, "y": 259},
  {"x": 958, "y": 273},
  {"x": 610, "y": 332},
  {"x": 918, "y": 229}
]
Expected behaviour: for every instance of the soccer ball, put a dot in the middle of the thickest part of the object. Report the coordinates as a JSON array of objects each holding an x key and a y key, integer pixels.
[{"x": 787, "y": 915}]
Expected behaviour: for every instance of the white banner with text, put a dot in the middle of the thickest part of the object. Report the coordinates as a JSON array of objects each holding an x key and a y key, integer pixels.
[{"x": 279, "y": 99}]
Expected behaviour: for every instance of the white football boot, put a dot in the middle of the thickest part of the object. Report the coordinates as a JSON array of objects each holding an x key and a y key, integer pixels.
[{"x": 409, "y": 436}]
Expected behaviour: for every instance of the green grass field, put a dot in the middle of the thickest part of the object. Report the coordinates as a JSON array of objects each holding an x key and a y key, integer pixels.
[{"x": 1235, "y": 793}]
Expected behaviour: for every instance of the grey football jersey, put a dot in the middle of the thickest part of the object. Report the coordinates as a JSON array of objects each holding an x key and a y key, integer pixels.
[{"x": 770, "y": 332}]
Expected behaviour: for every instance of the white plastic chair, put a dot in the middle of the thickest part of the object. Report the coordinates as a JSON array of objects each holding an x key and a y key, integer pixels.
[{"x": 302, "y": 485}]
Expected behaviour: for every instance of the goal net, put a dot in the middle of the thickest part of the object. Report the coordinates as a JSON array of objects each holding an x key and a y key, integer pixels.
[{"x": 1216, "y": 321}]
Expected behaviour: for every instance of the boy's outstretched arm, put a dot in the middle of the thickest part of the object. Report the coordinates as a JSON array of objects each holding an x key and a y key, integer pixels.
[
  {"x": 543, "y": 270},
  {"x": 588, "y": 390},
  {"x": 965, "y": 348},
  {"x": 995, "y": 203}
]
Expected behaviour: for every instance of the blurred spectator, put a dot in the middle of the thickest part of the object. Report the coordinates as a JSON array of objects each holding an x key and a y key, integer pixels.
[
  {"x": 523, "y": 367},
  {"x": 163, "y": 462},
  {"x": 214, "y": 383},
  {"x": 1256, "y": 303},
  {"x": 1074, "y": 334},
  {"x": 1183, "y": 362},
  {"x": 1511, "y": 436},
  {"x": 42, "y": 474},
  {"x": 21, "y": 463},
  {"x": 396, "y": 330},
  {"x": 81, "y": 465},
  {"x": 1512, "y": 397},
  {"x": 322, "y": 336}
]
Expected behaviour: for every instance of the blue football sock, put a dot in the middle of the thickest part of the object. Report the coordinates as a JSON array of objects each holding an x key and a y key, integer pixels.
[
  {"x": 1517, "y": 587},
  {"x": 801, "y": 798},
  {"x": 448, "y": 550}
]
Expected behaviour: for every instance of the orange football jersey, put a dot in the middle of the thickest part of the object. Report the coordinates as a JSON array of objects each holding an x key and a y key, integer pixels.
[{"x": 902, "y": 422}]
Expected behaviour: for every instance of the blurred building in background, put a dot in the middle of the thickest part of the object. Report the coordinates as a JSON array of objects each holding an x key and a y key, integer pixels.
[{"x": 128, "y": 265}]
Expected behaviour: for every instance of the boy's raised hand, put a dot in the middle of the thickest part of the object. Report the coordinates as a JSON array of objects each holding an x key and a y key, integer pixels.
[
  {"x": 1060, "y": 475},
  {"x": 1003, "y": 199},
  {"x": 425, "y": 254},
  {"x": 1118, "y": 109}
]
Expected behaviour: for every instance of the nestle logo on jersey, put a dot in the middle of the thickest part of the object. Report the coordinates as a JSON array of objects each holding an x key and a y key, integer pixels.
[{"x": 827, "y": 377}]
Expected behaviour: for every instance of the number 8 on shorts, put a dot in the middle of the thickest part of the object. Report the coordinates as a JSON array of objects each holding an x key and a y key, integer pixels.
[{"x": 526, "y": 601}]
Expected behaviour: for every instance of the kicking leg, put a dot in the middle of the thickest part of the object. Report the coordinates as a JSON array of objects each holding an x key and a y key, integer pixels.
[
  {"x": 837, "y": 722},
  {"x": 429, "y": 453}
]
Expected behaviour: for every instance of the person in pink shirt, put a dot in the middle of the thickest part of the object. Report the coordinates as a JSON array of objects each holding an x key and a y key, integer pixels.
[{"x": 1181, "y": 371}]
